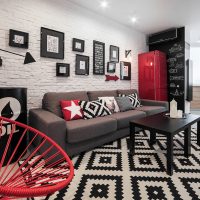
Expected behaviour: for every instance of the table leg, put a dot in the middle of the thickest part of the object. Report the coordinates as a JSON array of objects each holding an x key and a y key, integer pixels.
[
  {"x": 198, "y": 133},
  {"x": 152, "y": 138},
  {"x": 132, "y": 139},
  {"x": 187, "y": 142},
  {"x": 170, "y": 154}
]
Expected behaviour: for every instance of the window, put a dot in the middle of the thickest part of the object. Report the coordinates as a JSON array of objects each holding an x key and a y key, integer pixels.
[{"x": 195, "y": 57}]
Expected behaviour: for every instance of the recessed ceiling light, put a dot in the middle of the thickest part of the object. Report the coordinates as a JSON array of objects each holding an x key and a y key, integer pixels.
[
  {"x": 104, "y": 4},
  {"x": 133, "y": 19}
]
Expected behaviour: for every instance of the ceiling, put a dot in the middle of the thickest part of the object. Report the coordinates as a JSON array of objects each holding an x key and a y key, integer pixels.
[{"x": 152, "y": 15}]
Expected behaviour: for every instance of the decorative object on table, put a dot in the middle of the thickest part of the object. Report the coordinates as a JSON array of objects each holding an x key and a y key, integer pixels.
[
  {"x": 111, "y": 78},
  {"x": 71, "y": 109},
  {"x": 173, "y": 109},
  {"x": 125, "y": 70},
  {"x": 62, "y": 69},
  {"x": 111, "y": 66},
  {"x": 127, "y": 53},
  {"x": 13, "y": 105},
  {"x": 52, "y": 43},
  {"x": 179, "y": 114},
  {"x": 28, "y": 57},
  {"x": 78, "y": 45},
  {"x": 98, "y": 58},
  {"x": 82, "y": 65},
  {"x": 18, "y": 39},
  {"x": 114, "y": 54},
  {"x": 92, "y": 109}
]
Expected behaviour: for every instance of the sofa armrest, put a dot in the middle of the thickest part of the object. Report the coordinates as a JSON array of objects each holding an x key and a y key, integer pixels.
[
  {"x": 146, "y": 102},
  {"x": 50, "y": 124}
]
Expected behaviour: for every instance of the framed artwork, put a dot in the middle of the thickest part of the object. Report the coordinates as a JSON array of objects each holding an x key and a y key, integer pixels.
[
  {"x": 114, "y": 54},
  {"x": 62, "y": 69},
  {"x": 52, "y": 44},
  {"x": 98, "y": 58},
  {"x": 82, "y": 65},
  {"x": 18, "y": 39},
  {"x": 125, "y": 71},
  {"x": 78, "y": 45},
  {"x": 111, "y": 66}
]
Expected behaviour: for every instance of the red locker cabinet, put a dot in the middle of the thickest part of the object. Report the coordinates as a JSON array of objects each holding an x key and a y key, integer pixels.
[{"x": 152, "y": 75}]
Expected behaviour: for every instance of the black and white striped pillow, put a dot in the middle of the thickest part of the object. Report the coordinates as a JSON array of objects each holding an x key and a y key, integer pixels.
[
  {"x": 92, "y": 109},
  {"x": 133, "y": 98}
]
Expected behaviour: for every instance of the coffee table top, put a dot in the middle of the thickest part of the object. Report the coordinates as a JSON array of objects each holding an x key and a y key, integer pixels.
[{"x": 165, "y": 124}]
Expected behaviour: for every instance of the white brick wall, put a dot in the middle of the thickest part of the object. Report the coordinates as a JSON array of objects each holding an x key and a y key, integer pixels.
[{"x": 76, "y": 22}]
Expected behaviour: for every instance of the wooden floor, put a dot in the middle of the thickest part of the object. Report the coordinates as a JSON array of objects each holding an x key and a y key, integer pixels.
[{"x": 195, "y": 104}]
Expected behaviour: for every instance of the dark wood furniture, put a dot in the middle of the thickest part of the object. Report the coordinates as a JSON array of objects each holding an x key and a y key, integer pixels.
[{"x": 167, "y": 126}]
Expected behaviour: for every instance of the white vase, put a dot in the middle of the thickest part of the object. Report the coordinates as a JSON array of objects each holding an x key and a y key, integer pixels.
[{"x": 173, "y": 109}]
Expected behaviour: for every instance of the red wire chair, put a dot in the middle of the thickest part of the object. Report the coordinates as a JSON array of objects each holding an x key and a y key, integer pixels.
[{"x": 40, "y": 173}]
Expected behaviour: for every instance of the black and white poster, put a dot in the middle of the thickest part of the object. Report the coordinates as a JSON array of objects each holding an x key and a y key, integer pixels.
[
  {"x": 125, "y": 70},
  {"x": 114, "y": 54},
  {"x": 52, "y": 44},
  {"x": 98, "y": 58}
]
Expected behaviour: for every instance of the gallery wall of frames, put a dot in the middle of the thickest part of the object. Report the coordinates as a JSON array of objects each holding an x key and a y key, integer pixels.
[{"x": 74, "y": 49}]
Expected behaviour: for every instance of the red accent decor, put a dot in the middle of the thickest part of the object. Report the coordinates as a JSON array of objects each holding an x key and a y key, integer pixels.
[
  {"x": 153, "y": 75},
  {"x": 109, "y": 78},
  {"x": 71, "y": 110},
  {"x": 26, "y": 180}
]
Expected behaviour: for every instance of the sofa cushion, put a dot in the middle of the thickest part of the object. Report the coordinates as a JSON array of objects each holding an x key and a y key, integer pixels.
[
  {"x": 135, "y": 101},
  {"x": 151, "y": 110},
  {"x": 124, "y": 104},
  {"x": 111, "y": 104},
  {"x": 93, "y": 95},
  {"x": 81, "y": 130},
  {"x": 51, "y": 100},
  {"x": 123, "y": 118},
  {"x": 92, "y": 109},
  {"x": 71, "y": 109}
]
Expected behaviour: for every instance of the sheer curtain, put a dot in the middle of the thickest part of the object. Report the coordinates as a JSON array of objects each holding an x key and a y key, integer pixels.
[{"x": 195, "y": 57}]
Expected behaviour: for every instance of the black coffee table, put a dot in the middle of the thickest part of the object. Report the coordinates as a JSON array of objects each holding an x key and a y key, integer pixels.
[{"x": 167, "y": 126}]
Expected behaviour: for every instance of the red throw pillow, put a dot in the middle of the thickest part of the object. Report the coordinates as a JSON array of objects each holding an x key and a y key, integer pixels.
[{"x": 71, "y": 110}]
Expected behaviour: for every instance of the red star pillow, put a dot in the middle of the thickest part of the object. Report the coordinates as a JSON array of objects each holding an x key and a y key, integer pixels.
[{"x": 71, "y": 110}]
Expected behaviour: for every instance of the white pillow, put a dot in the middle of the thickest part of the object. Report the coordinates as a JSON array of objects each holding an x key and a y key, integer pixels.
[{"x": 110, "y": 103}]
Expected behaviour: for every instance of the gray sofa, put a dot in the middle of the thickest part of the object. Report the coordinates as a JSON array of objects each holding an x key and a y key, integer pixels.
[{"x": 82, "y": 135}]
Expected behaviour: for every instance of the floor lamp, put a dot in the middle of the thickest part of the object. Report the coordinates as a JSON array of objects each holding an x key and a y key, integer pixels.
[{"x": 28, "y": 58}]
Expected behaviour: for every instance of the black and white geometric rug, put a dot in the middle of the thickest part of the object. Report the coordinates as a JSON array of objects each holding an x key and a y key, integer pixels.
[{"x": 108, "y": 172}]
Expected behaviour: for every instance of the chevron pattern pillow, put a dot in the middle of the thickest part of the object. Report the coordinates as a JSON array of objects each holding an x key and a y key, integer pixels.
[
  {"x": 135, "y": 101},
  {"x": 92, "y": 109}
]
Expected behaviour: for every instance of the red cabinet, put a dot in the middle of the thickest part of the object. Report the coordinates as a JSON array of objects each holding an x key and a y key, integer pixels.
[{"x": 152, "y": 75}]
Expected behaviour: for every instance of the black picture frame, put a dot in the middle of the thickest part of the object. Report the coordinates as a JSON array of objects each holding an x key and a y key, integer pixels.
[
  {"x": 111, "y": 67},
  {"x": 62, "y": 69},
  {"x": 114, "y": 53},
  {"x": 125, "y": 70},
  {"x": 82, "y": 65},
  {"x": 52, "y": 43},
  {"x": 18, "y": 39},
  {"x": 78, "y": 45},
  {"x": 98, "y": 58}
]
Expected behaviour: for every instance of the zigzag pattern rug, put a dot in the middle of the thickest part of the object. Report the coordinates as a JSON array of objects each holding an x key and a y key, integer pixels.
[{"x": 108, "y": 172}]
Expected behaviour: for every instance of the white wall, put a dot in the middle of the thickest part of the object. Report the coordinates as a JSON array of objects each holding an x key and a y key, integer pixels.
[
  {"x": 195, "y": 57},
  {"x": 76, "y": 22}
]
